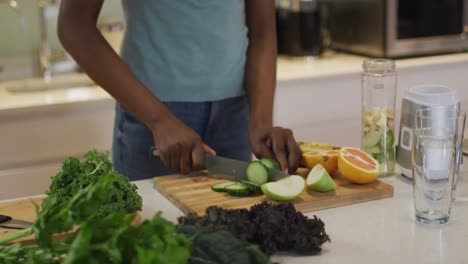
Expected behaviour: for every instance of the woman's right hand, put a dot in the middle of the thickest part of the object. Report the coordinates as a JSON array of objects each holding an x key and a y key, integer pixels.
[{"x": 179, "y": 147}]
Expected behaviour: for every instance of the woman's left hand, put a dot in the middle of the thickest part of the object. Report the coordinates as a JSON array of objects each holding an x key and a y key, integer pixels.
[{"x": 276, "y": 143}]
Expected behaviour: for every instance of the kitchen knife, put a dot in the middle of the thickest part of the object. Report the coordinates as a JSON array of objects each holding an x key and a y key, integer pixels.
[
  {"x": 235, "y": 169},
  {"x": 8, "y": 222},
  {"x": 228, "y": 168}
]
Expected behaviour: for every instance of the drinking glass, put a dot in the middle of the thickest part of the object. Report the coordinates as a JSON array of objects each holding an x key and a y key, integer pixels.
[
  {"x": 433, "y": 167},
  {"x": 444, "y": 119}
]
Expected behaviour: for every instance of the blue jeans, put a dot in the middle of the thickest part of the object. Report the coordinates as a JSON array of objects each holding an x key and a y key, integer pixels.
[{"x": 221, "y": 124}]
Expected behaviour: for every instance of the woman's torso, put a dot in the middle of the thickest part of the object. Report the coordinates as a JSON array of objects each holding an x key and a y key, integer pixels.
[{"x": 187, "y": 50}]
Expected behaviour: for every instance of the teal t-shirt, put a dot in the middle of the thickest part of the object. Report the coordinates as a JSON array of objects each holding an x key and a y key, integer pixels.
[{"x": 187, "y": 50}]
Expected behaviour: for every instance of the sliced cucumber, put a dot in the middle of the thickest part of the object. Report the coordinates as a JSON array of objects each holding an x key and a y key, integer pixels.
[
  {"x": 221, "y": 187},
  {"x": 257, "y": 173},
  {"x": 371, "y": 139},
  {"x": 238, "y": 189},
  {"x": 252, "y": 186},
  {"x": 269, "y": 163}
]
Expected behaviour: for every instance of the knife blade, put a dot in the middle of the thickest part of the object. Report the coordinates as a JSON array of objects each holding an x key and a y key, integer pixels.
[
  {"x": 235, "y": 169},
  {"x": 226, "y": 168},
  {"x": 8, "y": 222}
]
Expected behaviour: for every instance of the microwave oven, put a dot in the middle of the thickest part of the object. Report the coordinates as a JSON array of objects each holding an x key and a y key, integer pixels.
[{"x": 398, "y": 28}]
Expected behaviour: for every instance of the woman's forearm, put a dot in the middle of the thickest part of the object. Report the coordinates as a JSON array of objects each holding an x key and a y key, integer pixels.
[
  {"x": 260, "y": 73},
  {"x": 80, "y": 37}
]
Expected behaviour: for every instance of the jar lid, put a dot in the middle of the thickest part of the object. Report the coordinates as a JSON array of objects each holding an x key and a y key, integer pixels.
[
  {"x": 379, "y": 66},
  {"x": 432, "y": 94}
]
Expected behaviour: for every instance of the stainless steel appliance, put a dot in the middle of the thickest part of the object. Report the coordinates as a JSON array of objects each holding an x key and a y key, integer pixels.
[
  {"x": 414, "y": 99},
  {"x": 399, "y": 28}
]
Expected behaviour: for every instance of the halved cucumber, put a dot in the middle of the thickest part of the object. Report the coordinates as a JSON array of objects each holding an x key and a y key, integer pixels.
[
  {"x": 221, "y": 187},
  {"x": 269, "y": 163},
  {"x": 252, "y": 186},
  {"x": 238, "y": 189},
  {"x": 257, "y": 173}
]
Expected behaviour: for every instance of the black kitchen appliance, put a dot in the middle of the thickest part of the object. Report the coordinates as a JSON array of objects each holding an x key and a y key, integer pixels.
[{"x": 298, "y": 25}]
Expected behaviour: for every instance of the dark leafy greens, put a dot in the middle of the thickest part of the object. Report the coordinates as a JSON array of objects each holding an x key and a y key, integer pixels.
[
  {"x": 77, "y": 175},
  {"x": 112, "y": 239},
  {"x": 90, "y": 196},
  {"x": 69, "y": 201},
  {"x": 274, "y": 227},
  {"x": 221, "y": 247}
]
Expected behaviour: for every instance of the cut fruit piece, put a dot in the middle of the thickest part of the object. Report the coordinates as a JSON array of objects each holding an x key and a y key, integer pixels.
[
  {"x": 252, "y": 186},
  {"x": 238, "y": 189},
  {"x": 357, "y": 166},
  {"x": 319, "y": 180},
  {"x": 306, "y": 146},
  {"x": 373, "y": 150},
  {"x": 257, "y": 173},
  {"x": 284, "y": 190},
  {"x": 269, "y": 163},
  {"x": 328, "y": 159},
  {"x": 221, "y": 187},
  {"x": 371, "y": 139}
]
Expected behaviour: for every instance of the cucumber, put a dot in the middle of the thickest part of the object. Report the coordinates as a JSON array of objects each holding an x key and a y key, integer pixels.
[
  {"x": 252, "y": 186},
  {"x": 371, "y": 139},
  {"x": 269, "y": 163},
  {"x": 257, "y": 173},
  {"x": 238, "y": 189},
  {"x": 221, "y": 187}
]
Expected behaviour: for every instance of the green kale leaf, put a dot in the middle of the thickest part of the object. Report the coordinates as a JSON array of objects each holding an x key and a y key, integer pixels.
[{"x": 76, "y": 175}]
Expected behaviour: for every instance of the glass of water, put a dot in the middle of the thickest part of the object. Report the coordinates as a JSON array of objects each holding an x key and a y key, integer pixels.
[
  {"x": 445, "y": 120},
  {"x": 434, "y": 161}
]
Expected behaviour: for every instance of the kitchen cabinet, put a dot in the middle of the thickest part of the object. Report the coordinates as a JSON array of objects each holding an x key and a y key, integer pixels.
[{"x": 35, "y": 140}]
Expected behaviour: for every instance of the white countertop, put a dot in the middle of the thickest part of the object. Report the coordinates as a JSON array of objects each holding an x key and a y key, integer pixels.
[
  {"x": 289, "y": 69},
  {"x": 335, "y": 64},
  {"x": 381, "y": 231}
]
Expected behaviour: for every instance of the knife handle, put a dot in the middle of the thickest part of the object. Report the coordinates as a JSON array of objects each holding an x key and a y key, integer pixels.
[{"x": 4, "y": 218}]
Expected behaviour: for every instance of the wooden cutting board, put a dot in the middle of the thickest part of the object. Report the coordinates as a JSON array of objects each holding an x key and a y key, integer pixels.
[
  {"x": 193, "y": 194},
  {"x": 25, "y": 210}
]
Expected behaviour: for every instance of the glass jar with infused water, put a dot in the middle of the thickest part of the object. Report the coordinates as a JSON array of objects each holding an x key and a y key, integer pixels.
[{"x": 378, "y": 81}]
